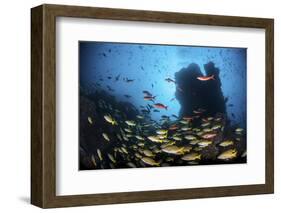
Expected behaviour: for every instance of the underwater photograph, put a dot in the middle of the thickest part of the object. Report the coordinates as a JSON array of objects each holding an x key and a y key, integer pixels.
[{"x": 158, "y": 105}]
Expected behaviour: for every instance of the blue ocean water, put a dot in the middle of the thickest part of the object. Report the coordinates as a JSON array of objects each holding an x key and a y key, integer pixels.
[{"x": 113, "y": 65}]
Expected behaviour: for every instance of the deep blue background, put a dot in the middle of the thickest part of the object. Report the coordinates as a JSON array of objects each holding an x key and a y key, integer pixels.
[{"x": 151, "y": 64}]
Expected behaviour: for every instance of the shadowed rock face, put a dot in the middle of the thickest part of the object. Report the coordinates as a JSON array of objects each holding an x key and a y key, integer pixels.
[{"x": 193, "y": 94}]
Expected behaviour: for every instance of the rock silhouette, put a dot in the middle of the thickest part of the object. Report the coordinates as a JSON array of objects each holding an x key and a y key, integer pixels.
[{"x": 194, "y": 94}]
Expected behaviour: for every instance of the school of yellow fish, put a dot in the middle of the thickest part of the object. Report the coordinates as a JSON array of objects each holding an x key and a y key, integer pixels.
[{"x": 143, "y": 142}]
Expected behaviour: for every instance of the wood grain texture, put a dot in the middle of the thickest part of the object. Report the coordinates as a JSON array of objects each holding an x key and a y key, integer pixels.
[
  {"x": 43, "y": 105},
  {"x": 36, "y": 106}
]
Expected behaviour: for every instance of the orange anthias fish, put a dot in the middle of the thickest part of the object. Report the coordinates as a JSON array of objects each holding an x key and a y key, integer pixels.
[
  {"x": 206, "y": 78},
  {"x": 160, "y": 106}
]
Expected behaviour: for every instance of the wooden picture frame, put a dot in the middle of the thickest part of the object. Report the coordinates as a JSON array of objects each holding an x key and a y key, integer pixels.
[{"x": 43, "y": 105}]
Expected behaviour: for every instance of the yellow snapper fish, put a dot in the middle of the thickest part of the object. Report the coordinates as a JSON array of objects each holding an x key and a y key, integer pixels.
[
  {"x": 139, "y": 137},
  {"x": 185, "y": 128},
  {"x": 184, "y": 122},
  {"x": 90, "y": 120},
  {"x": 218, "y": 119},
  {"x": 131, "y": 165},
  {"x": 173, "y": 150},
  {"x": 205, "y": 124},
  {"x": 216, "y": 127},
  {"x": 155, "y": 139},
  {"x": 110, "y": 120},
  {"x": 191, "y": 156},
  {"x": 198, "y": 149},
  {"x": 176, "y": 138},
  {"x": 138, "y": 155},
  {"x": 204, "y": 143},
  {"x": 161, "y": 131},
  {"x": 128, "y": 130},
  {"x": 148, "y": 153},
  {"x": 99, "y": 154},
  {"x": 190, "y": 137},
  {"x": 226, "y": 143},
  {"x": 239, "y": 130},
  {"x": 129, "y": 135},
  {"x": 207, "y": 130},
  {"x": 111, "y": 158},
  {"x": 94, "y": 160},
  {"x": 124, "y": 150},
  {"x": 105, "y": 136},
  {"x": 150, "y": 161},
  {"x": 130, "y": 123},
  {"x": 194, "y": 142},
  {"x": 229, "y": 154},
  {"x": 141, "y": 144}
]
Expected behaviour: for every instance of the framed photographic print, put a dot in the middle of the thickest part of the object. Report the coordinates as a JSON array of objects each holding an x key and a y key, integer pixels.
[{"x": 136, "y": 106}]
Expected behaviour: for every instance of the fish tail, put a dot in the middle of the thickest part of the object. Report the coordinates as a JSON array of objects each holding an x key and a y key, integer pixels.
[
  {"x": 166, "y": 107},
  {"x": 213, "y": 77}
]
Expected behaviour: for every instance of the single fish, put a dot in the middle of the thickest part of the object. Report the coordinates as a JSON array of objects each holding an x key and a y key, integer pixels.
[
  {"x": 99, "y": 154},
  {"x": 131, "y": 165},
  {"x": 186, "y": 118},
  {"x": 129, "y": 80},
  {"x": 206, "y": 78},
  {"x": 177, "y": 138},
  {"x": 128, "y": 130},
  {"x": 191, "y": 156},
  {"x": 139, "y": 137},
  {"x": 190, "y": 137},
  {"x": 205, "y": 124},
  {"x": 147, "y": 93},
  {"x": 216, "y": 127},
  {"x": 161, "y": 131},
  {"x": 90, "y": 120},
  {"x": 150, "y": 161},
  {"x": 110, "y": 120},
  {"x": 209, "y": 135},
  {"x": 155, "y": 139},
  {"x": 111, "y": 158},
  {"x": 226, "y": 143},
  {"x": 160, "y": 106},
  {"x": 149, "y": 98},
  {"x": 130, "y": 123},
  {"x": 204, "y": 143},
  {"x": 170, "y": 80},
  {"x": 105, "y": 136},
  {"x": 229, "y": 154},
  {"x": 148, "y": 153},
  {"x": 94, "y": 160},
  {"x": 174, "y": 150}
]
